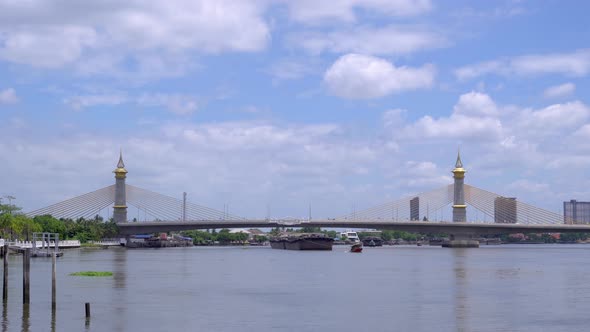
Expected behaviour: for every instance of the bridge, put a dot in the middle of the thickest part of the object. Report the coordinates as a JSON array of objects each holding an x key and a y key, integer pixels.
[
  {"x": 129, "y": 228},
  {"x": 506, "y": 214}
]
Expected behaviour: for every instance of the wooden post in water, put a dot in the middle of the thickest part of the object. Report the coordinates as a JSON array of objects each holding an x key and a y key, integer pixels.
[
  {"x": 87, "y": 307},
  {"x": 26, "y": 276},
  {"x": 5, "y": 282},
  {"x": 53, "y": 268}
]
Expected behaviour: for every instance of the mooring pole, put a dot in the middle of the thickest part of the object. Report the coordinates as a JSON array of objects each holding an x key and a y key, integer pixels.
[
  {"x": 53, "y": 268},
  {"x": 5, "y": 281},
  {"x": 87, "y": 307},
  {"x": 26, "y": 276}
]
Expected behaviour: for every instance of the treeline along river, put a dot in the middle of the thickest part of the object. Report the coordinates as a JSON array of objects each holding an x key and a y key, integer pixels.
[{"x": 397, "y": 288}]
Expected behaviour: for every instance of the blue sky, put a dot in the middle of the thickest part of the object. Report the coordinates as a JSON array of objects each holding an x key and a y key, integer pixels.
[{"x": 286, "y": 103}]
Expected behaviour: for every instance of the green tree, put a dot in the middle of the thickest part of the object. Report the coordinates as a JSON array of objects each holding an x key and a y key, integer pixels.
[
  {"x": 239, "y": 237},
  {"x": 51, "y": 225},
  {"x": 224, "y": 236}
]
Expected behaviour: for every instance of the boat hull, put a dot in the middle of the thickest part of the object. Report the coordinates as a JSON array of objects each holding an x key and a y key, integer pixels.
[
  {"x": 302, "y": 243},
  {"x": 309, "y": 244},
  {"x": 278, "y": 244},
  {"x": 356, "y": 248}
]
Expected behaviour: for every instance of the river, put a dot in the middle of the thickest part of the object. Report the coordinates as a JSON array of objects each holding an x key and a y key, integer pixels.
[{"x": 397, "y": 288}]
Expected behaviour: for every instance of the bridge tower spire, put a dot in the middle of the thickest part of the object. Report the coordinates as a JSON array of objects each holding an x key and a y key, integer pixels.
[
  {"x": 459, "y": 207},
  {"x": 120, "y": 208}
]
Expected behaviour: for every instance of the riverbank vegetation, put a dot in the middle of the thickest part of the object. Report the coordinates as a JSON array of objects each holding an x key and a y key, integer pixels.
[
  {"x": 223, "y": 237},
  {"x": 15, "y": 225}
]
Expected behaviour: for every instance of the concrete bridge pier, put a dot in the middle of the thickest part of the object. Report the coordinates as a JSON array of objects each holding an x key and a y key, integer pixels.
[{"x": 461, "y": 241}]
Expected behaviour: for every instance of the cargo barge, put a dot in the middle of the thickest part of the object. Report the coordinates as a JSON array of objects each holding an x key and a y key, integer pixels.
[{"x": 302, "y": 241}]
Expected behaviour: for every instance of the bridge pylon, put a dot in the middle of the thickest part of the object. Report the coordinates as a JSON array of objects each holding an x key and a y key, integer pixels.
[
  {"x": 463, "y": 240},
  {"x": 120, "y": 207}
]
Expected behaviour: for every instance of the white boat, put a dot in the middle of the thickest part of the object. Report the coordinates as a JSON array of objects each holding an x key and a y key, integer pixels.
[{"x": 351, "y": 236}]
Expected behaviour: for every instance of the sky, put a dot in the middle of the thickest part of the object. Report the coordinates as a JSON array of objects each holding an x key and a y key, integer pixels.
[{"x": 269, "y": 106}]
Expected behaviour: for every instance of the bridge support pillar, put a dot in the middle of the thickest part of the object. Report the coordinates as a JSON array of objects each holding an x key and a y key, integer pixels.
[{"x": 461, "y": 241}]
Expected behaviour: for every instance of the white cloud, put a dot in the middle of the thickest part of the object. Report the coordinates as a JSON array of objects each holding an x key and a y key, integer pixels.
[
  {"x": 474, "y": 104},
  {"x": 389, "y": 40},
  {"x": 290, "y": 69},
  {"x": 569, "y": 64},
  {"x": 394, "y": 118},
  {"x": 112, "y": 33},
  {"x": 558, "y": 91},
  {"x": 504, "y": 138},
  {"x": 574, "y": 64},
  {"x": 38, "y": 47},
  {"x": 248, "y": 135},
  {"x": 423, "y": 174},
  {"x": 84, "y": 101},
  {"x": 310, "y": 11},
  {"x": 557, "y": 119},
  {"x": 358, "y": 76},
  {"x": 474, "y": 117},
  {"x": 457, "y": 126},
  {"x": 174, "y": 102},
  {"x": 528, "y": 186},
  {"x": 8, "y": 96}
]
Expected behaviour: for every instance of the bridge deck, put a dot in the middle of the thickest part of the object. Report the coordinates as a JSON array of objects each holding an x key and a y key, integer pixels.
[{"x": 129, "y": 228}]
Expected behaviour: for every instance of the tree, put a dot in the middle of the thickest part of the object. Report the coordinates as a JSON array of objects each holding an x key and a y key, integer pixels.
[
  {"x": 51, "y": 225},
  {"x": 240, "y": 237},
  {"x": 260, "y": 238},
  {"x": 224, "y": 236},
  {"x": 9, "y": 208}
]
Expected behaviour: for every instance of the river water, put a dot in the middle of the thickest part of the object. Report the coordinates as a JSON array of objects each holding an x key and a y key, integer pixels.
[{"x": 398, "y": 288}]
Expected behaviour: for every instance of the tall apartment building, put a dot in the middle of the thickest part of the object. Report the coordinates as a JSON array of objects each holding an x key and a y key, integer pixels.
[
  {"x": 575, "y": 212},
  {"x": 415, "y": 208},
  {"x": 505, "y": 210}
]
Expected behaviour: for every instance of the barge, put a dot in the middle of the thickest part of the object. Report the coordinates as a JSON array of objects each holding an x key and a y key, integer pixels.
[{"x": 302, "y": 241}]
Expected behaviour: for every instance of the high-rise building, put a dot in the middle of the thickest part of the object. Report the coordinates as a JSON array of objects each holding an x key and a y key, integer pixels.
[
  {"x": 575, "y": 212},
  {"x": 505, "y": 210},
  {"x": 415, "y": 208}
]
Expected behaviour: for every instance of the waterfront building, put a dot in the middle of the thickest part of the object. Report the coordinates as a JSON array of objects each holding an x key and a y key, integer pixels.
[
  {"x": 505, "y": 210},
  {"x": 575, "y": 212}
]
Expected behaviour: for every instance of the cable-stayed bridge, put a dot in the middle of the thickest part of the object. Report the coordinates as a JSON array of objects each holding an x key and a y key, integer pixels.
[{"x": 500, "y": 214}]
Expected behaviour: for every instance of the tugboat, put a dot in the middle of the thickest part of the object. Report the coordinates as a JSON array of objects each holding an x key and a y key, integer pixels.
[{"x": 357, "y": 247}]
